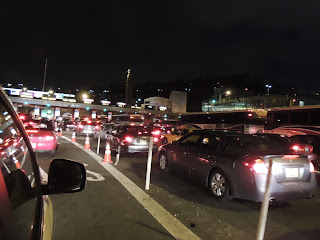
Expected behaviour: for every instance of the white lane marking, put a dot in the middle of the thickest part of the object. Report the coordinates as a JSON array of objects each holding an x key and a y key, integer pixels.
[
  {"x": 44, "y": 176},
  {"x": 97, "y": 175},
  {"x": 169, "y": 222}
]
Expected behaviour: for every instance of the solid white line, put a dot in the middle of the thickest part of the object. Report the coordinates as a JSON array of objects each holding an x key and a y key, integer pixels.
[{"x": 169, "y": 222}]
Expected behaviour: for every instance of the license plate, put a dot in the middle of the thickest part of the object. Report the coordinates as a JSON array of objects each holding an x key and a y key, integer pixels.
[
  {"x": 292, "y": 172},
  {"x": 34, "y": 145},
  {"x": 143, "y": 141}
]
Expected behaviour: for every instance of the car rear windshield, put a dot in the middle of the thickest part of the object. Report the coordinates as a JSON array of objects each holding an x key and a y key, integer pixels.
[
  {"x": 88, "y": 123},
  {"x": 40, "y": 125},
  {"x": 134, "y": 130},
  {"x": 255, "y": 143}
]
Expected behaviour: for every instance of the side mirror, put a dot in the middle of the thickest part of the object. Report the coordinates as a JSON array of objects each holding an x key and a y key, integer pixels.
[{"x": 65, "y": 176}]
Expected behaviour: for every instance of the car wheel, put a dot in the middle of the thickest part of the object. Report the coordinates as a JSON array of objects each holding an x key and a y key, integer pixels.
[
  {"x": 52, "y": 152},
  {"x": 163, "y": 162},
  {"x": 164, "y": 140},
  {"x": 219, "y": 186}
]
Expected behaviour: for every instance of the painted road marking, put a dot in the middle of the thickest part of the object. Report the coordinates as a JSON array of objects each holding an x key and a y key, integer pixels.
[
  {"x": 169, "y": 222},
  {"x": 97, "y": 175}
]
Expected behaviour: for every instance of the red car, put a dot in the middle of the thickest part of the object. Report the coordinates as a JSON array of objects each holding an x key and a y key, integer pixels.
[{"x": 43, "y": 137}]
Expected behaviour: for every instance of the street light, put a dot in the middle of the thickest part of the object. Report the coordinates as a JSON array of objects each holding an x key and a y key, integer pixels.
[
  {"x": 227, "y": 93},
  {"x": 268, "y": 88}
]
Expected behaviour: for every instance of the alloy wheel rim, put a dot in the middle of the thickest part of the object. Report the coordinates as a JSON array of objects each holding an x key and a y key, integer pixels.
[{"x": 218, "y": 185}]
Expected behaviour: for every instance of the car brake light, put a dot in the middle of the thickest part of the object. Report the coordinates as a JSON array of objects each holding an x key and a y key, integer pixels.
[
  {"x": 131, "y": 124},
  {"x": 128, "y": 139},
  {"x": 155, "y": 139},
  {"x": 156, "y": 133},
  {"x": 89, "y": 121},
  {"x": 22, "y": 117},
  {"x": 139, "y": 133},
  {"x": 168, "y": 132},
  {"x": 80, "y": 126},
  {"x": 97, "y": 127},
  {"x": 311, "y": 167},
  {"x": 32, "y": 131},
  {"x": 256, "y": 164}
]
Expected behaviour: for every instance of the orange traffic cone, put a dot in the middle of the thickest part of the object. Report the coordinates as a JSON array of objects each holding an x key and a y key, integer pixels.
[
  {"x": 16, "y": 162},
  {"x": 107, "y": 155},
  {"x": 87, "y": 143},
  {"x": 73, "y": 139}
]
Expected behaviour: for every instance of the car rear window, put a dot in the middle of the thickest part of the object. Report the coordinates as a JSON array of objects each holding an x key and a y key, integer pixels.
[
  {"x": 256, "y": 143},
  {"x": 40, "y": 125}
]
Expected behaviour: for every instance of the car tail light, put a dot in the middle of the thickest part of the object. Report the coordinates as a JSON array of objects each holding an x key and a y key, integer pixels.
[
  {"x": 22, "y": 117},
  {"x": 156, "y": 133},
  {"x": 49, "y": 138},
  {"x": 311, "y": 167},
  {"x": 256, "y": 164},
  {"x": 168, "y": 132},
  {"x": 155, "y": 139},
  {"x": 131, "y": 124},
  {"x": 139, "y": 133},
  {"x": 128, "y": 139},
  {"x": 96, "y": 127},
  {"x": 89, "y": 121},
  {"x": 32, "y": 131},
  {"x": 80, "y": 126}
]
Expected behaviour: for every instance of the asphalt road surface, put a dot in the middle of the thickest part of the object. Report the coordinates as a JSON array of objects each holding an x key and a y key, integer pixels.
[{"x": 116, "y": 206}]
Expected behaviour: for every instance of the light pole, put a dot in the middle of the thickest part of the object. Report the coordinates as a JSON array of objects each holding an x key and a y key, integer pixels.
[
  {"x": 45, "y": 75},
  {"x": 227, "y": 93},
  {"x": 268, "y": 88}
]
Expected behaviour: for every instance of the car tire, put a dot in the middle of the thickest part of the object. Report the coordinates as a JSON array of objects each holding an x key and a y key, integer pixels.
[
  {"x": 219, "y": 186},
  {"x": 163, "y": 162},
  {"x": 52, "y": 152}
]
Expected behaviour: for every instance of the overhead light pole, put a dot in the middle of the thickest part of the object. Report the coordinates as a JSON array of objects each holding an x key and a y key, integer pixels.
[
  {"x": 45, "y": 75},
  {"x": 227, "y": 93},
  {"x": 268, "y": 88}
]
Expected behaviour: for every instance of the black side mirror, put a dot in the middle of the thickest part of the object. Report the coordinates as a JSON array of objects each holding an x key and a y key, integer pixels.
[{"x": 65, "y": 176}]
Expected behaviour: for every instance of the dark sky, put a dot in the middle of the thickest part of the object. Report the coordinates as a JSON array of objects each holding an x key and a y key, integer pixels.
[{"x": 93, "y": 44}]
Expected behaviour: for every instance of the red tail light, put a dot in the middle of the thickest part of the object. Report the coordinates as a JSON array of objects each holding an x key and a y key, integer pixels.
[
  {"x": 80, "y": 126},
  {"x": 32, "y": 131},
  {"x": 256, "y": 164},
  {"x": 156, "y": 133},
  {"x": 131, "y": 124},
  {"x": 311, "y": 167},
  {"x": 139, "y": 133},
  {"x": 89, "y": 121},
  {"x": 128, "y": 139},
  {"x": 155, "y": 139},
  {"x": 22, "y": 117},
  {"x": 96, "y": 127},
  {"x": 168, "y": 132}
]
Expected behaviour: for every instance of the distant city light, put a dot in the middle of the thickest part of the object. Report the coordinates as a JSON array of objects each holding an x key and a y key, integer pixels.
[
  {"x": 48, "y": 105},
  {"x": 87, "y": 108}
]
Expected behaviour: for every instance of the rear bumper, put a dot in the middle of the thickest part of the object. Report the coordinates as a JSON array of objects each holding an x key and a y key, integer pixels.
[
  {"x": 139, "y": 148},
  {"x": 284, "y": 190},
  {"x": 43, "y": 147}
]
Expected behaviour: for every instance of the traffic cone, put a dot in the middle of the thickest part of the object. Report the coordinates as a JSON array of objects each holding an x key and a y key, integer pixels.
[
  {"x": 16, "y": 162},
  {"x": 107, "y": 155},
  {"x": 87, "y": 143},
  {"x": 73, "y": 139}
]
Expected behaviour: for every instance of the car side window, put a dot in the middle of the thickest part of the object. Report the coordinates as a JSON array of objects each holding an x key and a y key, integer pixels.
[
  {"x": 184, "y": 132},
  {"x": 18, "y": 174},
  {"x": 190, "y": 140},
  {"x": 213, "y": 142}
]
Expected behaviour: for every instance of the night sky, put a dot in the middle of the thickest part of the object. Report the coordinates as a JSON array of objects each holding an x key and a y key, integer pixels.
[{"x": 93, "y": 44}]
